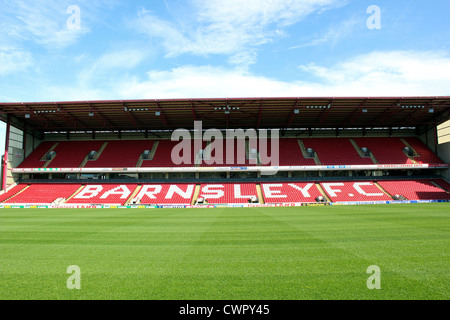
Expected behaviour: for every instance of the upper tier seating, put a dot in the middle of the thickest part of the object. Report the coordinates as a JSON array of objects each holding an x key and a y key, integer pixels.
[
  {"x": 385, "y": 150},
  {"x": 425, "y": 155},
  {"x": 330, "y": 151},
  {"x": 228, "y": 156},
  {"x": 163, "y": 156},
  {"x": 290, "y": 153},
  {"x": 34, "y": 159},
  {"x": 121, "y": 154},
  {"x": 70, "y": 154},
  {"x": 336, "y": 151}
]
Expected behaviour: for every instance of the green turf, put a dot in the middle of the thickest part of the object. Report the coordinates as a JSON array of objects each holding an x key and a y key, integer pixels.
[{"x": 227, "y": 253}]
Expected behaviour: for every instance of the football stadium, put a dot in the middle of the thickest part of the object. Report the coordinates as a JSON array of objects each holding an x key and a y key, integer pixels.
[{"x": 226, "y": 198}]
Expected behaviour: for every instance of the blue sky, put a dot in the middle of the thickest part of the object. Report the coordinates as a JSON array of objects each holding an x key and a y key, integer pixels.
[
  {"x": 56, "y": 50},
  {"x": 221, "y": 48}
]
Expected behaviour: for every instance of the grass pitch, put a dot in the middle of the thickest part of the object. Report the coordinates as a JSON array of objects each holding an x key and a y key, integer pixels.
[{"x": 227, "y": 253}]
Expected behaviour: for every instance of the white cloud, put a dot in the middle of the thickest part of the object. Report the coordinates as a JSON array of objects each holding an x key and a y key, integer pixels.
[
  {"x": 332, "y": 35},
  {"x": 226, "y": 27},
  {"x": 396, "y": 73},
  {"x": 14, "y": 60},
  {"x": 387, "y": 73},
  {"x": 127, "y": 58},
  {"x": 43, "y": 22},
  {"x": 109, "y": 63},
  {"x": 243, "y": 59},
  {"x": 392, "y": 73},
  {"x": 202, "y": 82}
]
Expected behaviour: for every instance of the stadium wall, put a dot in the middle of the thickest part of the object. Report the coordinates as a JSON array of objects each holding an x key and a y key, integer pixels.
[
  {"x": 438, "y": 140},
  {"x": 30, "y": 143},
  {"x": 444, "y": 153},
  {"x": 444, "y": 132}
]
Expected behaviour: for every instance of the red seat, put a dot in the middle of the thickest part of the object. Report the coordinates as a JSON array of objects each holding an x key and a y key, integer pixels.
[
  {"x": 44, "y": 193},
  {"x": 106, "y": 193},
  {"x": 216, "y": 193},
  {"x": 285, "y": 192},
  {"x": 346, "y": 191},
  {"x": 336, "y": 151},
  {"x": 415, "y": 189}
]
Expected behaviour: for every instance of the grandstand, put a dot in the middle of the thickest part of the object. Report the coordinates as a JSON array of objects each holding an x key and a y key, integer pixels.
[{"x": 120, "y": 153}]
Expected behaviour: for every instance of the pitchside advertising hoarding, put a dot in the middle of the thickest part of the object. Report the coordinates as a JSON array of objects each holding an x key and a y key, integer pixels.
[
  {"x": 243, "y": 205},
  {"x": 225, "y": 169}
]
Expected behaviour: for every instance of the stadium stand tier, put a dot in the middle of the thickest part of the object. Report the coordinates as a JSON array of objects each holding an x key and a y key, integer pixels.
[
  {"x": 344, "y": 191},
  {"x": 165, "y": 151},
  {"x": 223, "y": 193},
  {"x": 216, "y": 193},
  {"x": 122, "y": 153},
  {"x": 35, "y": 159},
  {"x": 414, "y": 189},
  {"x": 165, "y": 193},
  {"x": 443, "y": 184},
  {"x": 336, "y": 151},
  {"x": 70, "y": 154},
  {"x": 45, "y": 193},
  {"x": 290, "y": 192},
  {"x": 111, "y": 194},
  {"x": 330, "y": 151},
  {"x": 12, "y": 191},
  {"x": 423, "y": 154}
]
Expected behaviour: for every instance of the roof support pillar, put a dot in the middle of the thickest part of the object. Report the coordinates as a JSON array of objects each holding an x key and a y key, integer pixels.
[
  {"x": 5, "y": 157},
  {"x": 24, "y": 140},
  {"x": 436, "y": 140}
]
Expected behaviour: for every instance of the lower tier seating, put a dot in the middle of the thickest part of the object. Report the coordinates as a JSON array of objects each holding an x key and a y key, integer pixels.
[
  {"x": 443, "y": 184},
  {"x": 111, "y": 194},
  {"x": 216, "y": 193},
  {"x": 354, "y": 191},
  {"x": 43, "y": 193},
  {"x": 228, "y": 192},
  {"x": 165, "y": 193},
  {"x": 415, "y": 189},
  {"x": 290, "y": 192},
  {"x": 13, "y": 191}
]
